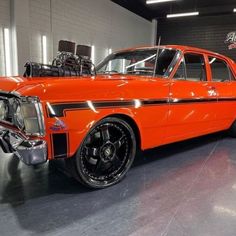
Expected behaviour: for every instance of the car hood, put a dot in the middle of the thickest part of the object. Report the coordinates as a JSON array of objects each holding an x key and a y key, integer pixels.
[{"x": 57, "y": 87}]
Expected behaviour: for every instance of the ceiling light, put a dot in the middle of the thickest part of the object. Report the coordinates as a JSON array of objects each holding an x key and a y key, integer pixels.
[
  {"x": 44, "y": 49},
  {"x": 234, "y": 9},
  {"x": 183, "y": 14},
  {"x": 158, "y": 1},
  {"x": 7, "y": 48}
]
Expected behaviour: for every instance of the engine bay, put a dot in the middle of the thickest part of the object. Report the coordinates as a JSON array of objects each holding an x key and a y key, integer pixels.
[{"x": 71, "y": 60}]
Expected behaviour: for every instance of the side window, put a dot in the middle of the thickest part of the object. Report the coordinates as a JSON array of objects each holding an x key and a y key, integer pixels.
[
  {"x": 219, "y": 70},
  {"x": 195, "y": 67},
  {"x": 180, "y": 73},
  {"x": 164, "y": 60}
]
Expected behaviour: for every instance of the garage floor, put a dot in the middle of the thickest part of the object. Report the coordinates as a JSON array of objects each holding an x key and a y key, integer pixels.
[{"x": 187, "y": 188}]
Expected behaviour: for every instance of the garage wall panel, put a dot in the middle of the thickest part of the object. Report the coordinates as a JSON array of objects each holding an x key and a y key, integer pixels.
[
  {"x": 5, "y": 22},
  {"x": 205, "y": 32},
  {"x": 39, "y": 17},
  {"x": 101, "y": 23}
]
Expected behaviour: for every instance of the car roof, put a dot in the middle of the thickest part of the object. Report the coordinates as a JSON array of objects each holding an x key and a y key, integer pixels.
[{"x": 179, "y": 47}]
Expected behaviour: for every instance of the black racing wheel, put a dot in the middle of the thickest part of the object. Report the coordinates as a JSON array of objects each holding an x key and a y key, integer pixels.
[{"x": 105, "y": 155}]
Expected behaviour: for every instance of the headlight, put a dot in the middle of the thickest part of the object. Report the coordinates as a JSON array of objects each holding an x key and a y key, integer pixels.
[
  {"x": 3, "y": 110},
  {"x": 29, "y": 116}
]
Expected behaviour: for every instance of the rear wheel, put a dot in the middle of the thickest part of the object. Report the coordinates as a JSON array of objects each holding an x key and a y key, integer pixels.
[{"x": 105, "y": 155}]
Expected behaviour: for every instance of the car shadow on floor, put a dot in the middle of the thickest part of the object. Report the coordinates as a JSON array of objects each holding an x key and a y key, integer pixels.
[{"x": 49, "y": 196}]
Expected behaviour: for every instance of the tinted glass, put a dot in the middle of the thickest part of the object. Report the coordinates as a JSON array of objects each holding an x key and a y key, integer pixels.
[
  {"x": 138, "y": 62},
  {"x": 180, "y": 73},
  {"x": 164, "y": 60},
  {"x": 219, "y": 70},
  {"x": 195, "y": 67}
]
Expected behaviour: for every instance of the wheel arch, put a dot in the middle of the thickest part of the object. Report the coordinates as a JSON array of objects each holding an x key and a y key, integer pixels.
[
  {"x": 129, "y": 118},
  {"x": 133, "y": 125},
  {"x": 74, "y": 166}
]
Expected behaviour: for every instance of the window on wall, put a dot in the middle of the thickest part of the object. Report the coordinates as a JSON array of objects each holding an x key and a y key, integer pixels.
[
  {"x": 195, "y": 67},
  {"x": 220, "y": 70}
]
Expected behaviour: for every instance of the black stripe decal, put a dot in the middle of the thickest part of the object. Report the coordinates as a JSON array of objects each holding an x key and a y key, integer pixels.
[
  {"x": 227, "y": 99},
  {"x": 60, "y": 143},
  {"x": 58, "y": 109}
]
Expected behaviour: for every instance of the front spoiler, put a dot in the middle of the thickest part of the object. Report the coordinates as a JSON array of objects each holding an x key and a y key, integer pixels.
[{"x": 31, "y": 152}]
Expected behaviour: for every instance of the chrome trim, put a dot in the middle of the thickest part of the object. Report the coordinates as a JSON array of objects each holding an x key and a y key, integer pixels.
[
  {"x": 30, "y": 152},
  {"x": 15, "y": 99},
  {"x": 13, "y": 102}
]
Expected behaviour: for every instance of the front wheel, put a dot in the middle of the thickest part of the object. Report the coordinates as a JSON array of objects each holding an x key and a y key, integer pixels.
[{"x": 105, "y": 155}]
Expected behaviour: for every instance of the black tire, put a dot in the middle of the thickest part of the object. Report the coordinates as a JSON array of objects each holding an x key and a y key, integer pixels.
[
  {"x": 105, "y": 155},
  {"x": 232, "y": 130}
]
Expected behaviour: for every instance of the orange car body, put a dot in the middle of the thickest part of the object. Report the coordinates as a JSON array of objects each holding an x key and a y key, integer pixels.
[{"x": 161, "y": 110}]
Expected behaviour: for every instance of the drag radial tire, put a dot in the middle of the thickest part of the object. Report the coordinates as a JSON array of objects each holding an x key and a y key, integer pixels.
[
  {"x": 105, "y": 155},
  {"x": 232, "y": 130}
]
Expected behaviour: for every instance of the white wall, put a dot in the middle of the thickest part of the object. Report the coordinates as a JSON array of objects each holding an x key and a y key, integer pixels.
[
  {"x": 91, "y": 22},
  {"x": 100, "y": 23},
  {"x": 4, "y": 23}
]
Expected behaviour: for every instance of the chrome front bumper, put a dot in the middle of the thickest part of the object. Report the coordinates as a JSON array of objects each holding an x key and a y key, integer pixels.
[{"x": 31, "y": 152}]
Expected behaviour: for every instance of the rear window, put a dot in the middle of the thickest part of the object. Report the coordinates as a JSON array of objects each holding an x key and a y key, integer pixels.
[{"x": 220, "y": 70}]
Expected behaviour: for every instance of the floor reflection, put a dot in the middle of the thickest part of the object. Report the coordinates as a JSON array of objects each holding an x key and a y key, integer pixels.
[
  {"x": 13, "y": 190},
  {"x": 171, "y": 190}
]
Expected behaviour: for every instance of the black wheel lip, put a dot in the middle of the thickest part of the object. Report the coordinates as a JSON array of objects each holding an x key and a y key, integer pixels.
[
  {"x": 91, "y": 183},
  {"x": 111, "y": 176}
]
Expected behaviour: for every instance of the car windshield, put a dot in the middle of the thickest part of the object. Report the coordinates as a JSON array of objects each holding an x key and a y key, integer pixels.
[{"x": 139, "y": 62}]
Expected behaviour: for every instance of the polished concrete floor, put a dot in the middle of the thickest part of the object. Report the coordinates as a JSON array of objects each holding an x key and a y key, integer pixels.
[{"x": 188, "y": 188}]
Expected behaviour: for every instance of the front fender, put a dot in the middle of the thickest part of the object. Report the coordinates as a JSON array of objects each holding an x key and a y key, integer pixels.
[{"x": 76, "y": 125}]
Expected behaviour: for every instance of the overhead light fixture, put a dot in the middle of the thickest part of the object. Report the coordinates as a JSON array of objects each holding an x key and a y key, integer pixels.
[
  {"x": 14, "y": 52},
  {"x": 183, "y": 14},
  {"x": 7, "y": 53},
  {"x": 234, "y": 10},
  {"x": 158, "y": 1},
  {"x": 44, "y": 47}
]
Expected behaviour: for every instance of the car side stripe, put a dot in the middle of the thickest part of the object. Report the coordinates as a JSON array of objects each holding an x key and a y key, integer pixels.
[{"x": 59, "y": 109}]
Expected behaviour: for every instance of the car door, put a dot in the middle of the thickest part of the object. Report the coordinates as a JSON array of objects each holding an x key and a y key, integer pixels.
[
  {"x": 222, "y": 82},
  {"x": 192, "y": 100}
]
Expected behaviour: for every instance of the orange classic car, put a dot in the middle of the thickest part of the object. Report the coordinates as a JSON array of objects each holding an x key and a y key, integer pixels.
[{"x": 137, "y": 99}]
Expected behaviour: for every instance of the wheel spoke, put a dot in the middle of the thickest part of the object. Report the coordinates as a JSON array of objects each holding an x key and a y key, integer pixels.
[
  {"x": 119, "y": 142},
  {"x": 106, "y": 151},
  {"x": 91, "y": 151},
  {"x": 105, "y": 133}
]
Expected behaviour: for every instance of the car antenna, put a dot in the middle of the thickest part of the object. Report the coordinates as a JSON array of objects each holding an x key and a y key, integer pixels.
[{"x": 158, "y": 50}]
